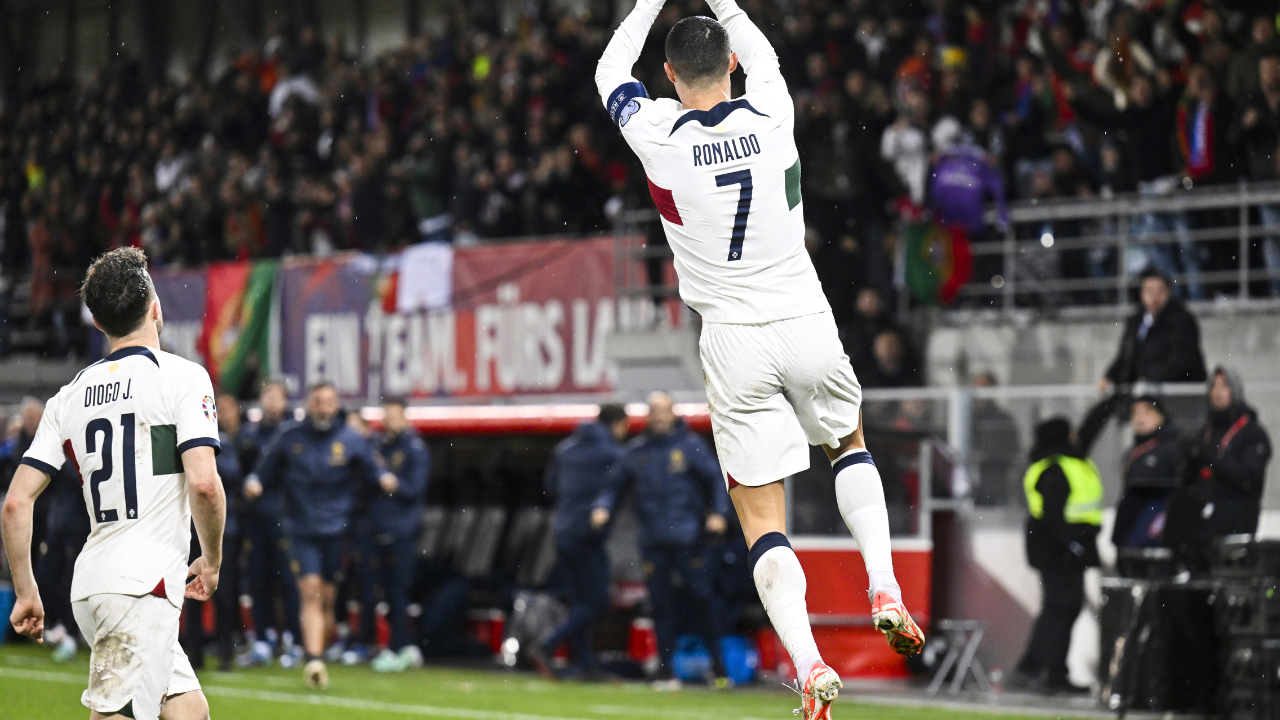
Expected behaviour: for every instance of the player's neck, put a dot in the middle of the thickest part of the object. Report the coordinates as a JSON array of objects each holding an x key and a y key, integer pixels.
[
  {"x": 145, "y": 336},
  {"x": 705, "y": 99}
]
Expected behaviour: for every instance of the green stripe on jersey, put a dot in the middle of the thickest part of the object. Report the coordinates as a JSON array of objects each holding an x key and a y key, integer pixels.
[
  {"x": 793, "y": 185},
  {"x": 164, "y": 450}
]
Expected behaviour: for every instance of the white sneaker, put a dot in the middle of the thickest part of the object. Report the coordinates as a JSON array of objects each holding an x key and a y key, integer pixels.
[
  {"x": 66, "y": 649},
  {"x": 411, "y": 656}
]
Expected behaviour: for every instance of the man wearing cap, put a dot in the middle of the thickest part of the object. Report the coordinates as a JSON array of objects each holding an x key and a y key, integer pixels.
[{"x": 1064, "y": 499}]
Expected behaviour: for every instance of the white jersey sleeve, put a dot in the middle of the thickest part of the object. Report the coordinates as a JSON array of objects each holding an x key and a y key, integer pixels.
[
  {"x": 194, "y": 410},
  {"x": 725, "y": 181},
  {"x": 46, "y": 452}
]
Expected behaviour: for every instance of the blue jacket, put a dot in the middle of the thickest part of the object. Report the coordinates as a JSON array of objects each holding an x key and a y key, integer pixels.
[
  {"x": 400, "y": 513},
  {"x": 251, "y": 443},
  {"x": 677, "y": 482},
  {"x": 322, "y": 476},
  {"x": 576, "y": 476},
  {"x": 228, "y": 464}
]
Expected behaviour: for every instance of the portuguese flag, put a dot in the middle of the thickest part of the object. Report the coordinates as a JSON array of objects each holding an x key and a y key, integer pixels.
[
  {"x": 237, "y": 321},
  {"x": 939, "y": 262}
]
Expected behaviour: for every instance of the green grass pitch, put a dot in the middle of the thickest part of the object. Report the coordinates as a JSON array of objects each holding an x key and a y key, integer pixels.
[{"x": 32, "y": 687}]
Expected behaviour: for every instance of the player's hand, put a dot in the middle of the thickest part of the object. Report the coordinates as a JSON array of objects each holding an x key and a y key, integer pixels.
[
  {"x": 599, "y": 518},
  {"x": 716, "y": 524},
  {"x": 28, "y": 617},
  {"x": 389, "y": 482},
  {"x": 252, "y": 489},
  {"x": 205, "y": 582}
]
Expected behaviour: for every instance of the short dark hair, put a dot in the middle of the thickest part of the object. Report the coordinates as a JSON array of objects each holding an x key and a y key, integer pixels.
[
  {"x": 610, "y": 414},
  {"x": 118, "y": 290},
  {"x": 321, "y": 385},
  {"x": 1151, "y": 272},
  {"x": 698, "y": 49},
  {"x": 394, "y": 400}
]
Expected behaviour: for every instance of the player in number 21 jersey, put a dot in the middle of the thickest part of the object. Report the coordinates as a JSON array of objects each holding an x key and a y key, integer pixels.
[
  {"x": 141, "y": 430},
  {"x": 724, "y": 174}
]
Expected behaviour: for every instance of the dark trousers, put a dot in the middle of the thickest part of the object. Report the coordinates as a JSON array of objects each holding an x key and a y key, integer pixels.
[
  {"x": 269, "y": 575},
  {"x": 63, "y": 544},
  {"x": 587, "y": 567},
  {"x": 387, "y": 562},
  {"x": 1046, "y": 652},
  {"x": 660, "y": 561}
]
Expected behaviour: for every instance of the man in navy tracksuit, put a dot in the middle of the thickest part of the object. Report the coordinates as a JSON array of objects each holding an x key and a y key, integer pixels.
[
  {"x": 324, "y": 470},
  {"x": 575, "y": 477},
  {"x": 267, "y": 565},
  {"x": 387, "y": 535},
  {"x": 679, "y": 492}
]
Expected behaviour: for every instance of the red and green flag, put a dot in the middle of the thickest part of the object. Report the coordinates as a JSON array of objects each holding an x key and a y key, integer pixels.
[
  {"x": 939, "y": 262},
  {"x": 236, "y": 338}
]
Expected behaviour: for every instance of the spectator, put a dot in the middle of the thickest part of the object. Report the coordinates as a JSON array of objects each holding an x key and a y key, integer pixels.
[
  {"x": 870, "y": 318},
  {"x": 995, "y": 446},
  {"x": 893, "y": 364},
  {"x": 575, "y": 477},
  {"x": 1064, "y": 503},
  {"x": 962, "y": 181},
  {"x": 1257, "y": 134},
  {"x": 1159, "y": 343},
  {"x": 679, "y": 494},
  {"x": 1244, "y": 75}
]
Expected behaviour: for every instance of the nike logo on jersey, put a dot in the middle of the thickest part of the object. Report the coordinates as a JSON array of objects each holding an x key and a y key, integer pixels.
[{"x": 725, "y": 151}]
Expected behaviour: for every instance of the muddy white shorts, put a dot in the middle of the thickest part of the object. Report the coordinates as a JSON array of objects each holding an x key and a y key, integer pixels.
[
  {"x": 774, "y": 389},
  {"x": 136, "y": 657}
]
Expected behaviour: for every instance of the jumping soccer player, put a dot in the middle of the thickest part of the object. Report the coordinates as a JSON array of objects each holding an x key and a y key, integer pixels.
[
  {"x": 725, "y": 176},
  {"x": 141, "y": 431}
]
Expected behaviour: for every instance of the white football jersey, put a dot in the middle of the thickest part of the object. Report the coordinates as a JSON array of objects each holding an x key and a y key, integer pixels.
[
  {"x": 726, "y": 181},
  {"x": 124, "y": 423}
]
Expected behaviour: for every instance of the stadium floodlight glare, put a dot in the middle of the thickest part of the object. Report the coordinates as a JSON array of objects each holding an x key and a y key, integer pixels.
[{"x": 1047, "y": 240}]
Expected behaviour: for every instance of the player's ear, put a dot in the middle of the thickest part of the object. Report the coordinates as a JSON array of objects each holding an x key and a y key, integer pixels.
[
  {"x": 733, "y": 62},
  {"x": 671, "y": 74}
]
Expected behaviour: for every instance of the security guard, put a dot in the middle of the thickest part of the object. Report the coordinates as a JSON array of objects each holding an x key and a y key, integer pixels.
[
  {"x": 387, "y": 535},
  {"x": 1064, "y": 499},
  {"x": 679, "y": 493},
  {"x": 575, "y": 477},
  {"x": 323, "y": 469},
  {"x": 267, "y": 573}
]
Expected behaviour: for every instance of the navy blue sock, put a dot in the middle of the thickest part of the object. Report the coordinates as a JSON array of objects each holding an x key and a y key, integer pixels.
[
  {"x": 853, "y": 458},
  {"x": 764, "y": 544}
]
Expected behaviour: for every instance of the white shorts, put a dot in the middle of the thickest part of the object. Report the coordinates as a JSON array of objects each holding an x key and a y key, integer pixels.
[
  {"x": 774, "y": 389},
  {"x": 136, "y": 657}
]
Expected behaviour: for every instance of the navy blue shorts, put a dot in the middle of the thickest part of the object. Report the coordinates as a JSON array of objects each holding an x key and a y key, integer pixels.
[{"x": 321, "y": 555}]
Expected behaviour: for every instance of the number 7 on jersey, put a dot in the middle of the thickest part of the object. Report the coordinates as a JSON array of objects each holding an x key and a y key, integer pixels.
[{"x": 742, "y": 177}]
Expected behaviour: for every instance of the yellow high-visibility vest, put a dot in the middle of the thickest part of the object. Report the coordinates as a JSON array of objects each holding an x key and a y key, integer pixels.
[{"x": 1084, "y": 503}]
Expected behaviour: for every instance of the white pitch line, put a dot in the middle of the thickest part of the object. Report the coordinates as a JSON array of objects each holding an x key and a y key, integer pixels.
[{"x": 297, "y": 699}]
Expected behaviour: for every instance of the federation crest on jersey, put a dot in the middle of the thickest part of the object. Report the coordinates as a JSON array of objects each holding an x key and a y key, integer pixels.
[
  {"x": 210, "y": 410},
  {"x": 631, "y": 109}
]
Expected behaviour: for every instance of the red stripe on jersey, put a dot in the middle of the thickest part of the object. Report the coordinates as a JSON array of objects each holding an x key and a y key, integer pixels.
[
  {"x": 665, "y": 202},
  {"x": 732, "y": 483},
  {"x": 71, "y": 455},
  {"x": 158, "y": 591}
]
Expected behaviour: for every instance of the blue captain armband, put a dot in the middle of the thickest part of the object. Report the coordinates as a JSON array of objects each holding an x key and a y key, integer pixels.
[{"x": 623, "y": 102}]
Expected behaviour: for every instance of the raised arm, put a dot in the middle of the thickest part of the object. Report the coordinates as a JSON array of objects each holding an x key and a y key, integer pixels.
[
  {"x": 756, "y": 55},
  {"x": 613, "y": 75}
]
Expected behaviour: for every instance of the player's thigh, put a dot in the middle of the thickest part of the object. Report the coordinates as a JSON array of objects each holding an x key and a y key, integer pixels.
[
  {"x": 184, "y": 699},
  {"x": 130, "y": 641},
  {"x": 758, "y": 438},
  {"x": 818, "y": 380}
]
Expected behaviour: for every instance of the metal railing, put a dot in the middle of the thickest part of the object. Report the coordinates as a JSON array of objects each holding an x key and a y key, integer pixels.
[{"x": 1203, "y": 237}]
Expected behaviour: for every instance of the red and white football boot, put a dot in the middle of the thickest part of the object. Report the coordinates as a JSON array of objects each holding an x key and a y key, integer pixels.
[
  {"x": 820, "y": 688},
  {"x": 891, "y": 618}
]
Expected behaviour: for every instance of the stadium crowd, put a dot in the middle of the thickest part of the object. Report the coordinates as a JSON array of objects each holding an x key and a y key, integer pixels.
[{"x": 299, "y": 147}]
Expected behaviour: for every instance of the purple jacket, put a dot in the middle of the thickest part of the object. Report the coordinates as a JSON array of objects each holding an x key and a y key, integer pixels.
[{"x": 960, "y": 184}]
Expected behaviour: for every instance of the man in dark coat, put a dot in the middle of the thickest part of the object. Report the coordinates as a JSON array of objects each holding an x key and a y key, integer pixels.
[
  {"x": 679, "y": 493},
  {"x": 1160, "y": 342},
  {"x": 1064, "y": 498},
  {"x": 576, "y": 475}
]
